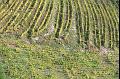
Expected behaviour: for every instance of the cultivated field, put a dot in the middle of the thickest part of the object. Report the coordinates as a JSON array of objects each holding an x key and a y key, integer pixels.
[
  {"x": 91, "y": 21},
  {"x": 59, "y": 39}
]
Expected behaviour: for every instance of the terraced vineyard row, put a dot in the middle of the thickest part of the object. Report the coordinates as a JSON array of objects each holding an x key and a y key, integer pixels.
[{"x": 96, "y": 21}]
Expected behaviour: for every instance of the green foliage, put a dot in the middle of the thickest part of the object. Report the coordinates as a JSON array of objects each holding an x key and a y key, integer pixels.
[
  {"x": 1, "y": 72},
  {"x": 22, "y": 60},
  {"x": 68, "y": 34}
]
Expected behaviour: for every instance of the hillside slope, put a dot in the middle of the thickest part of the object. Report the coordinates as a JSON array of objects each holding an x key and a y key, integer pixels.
[
  {"x": 20, "y": 60},
  {"x": 59, "y": 39},
  {"x": 85, "y": 21}
]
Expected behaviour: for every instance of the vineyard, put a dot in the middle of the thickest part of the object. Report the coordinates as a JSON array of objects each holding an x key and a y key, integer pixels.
[
  {"x": 59, "y": 39},
  {"x": 92, "y": 21}
]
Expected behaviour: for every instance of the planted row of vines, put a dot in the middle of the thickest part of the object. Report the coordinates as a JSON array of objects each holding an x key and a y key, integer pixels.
[{"x": 96, "y": 21}]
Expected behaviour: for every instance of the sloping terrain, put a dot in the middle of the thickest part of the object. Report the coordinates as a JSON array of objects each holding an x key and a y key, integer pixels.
[
  {"x": 59, "y": 39},
  {"x": 90, "y": 21},
  {"x": 20, "y": 60}
]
